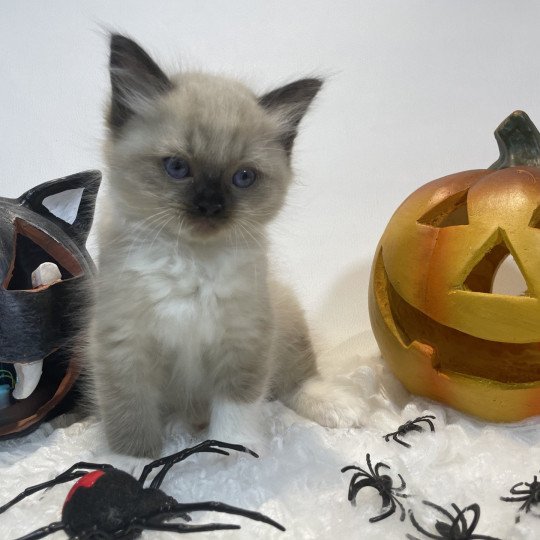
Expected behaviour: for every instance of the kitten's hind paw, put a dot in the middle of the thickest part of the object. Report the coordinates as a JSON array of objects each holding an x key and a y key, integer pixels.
[{"x": 328, "y": 404}]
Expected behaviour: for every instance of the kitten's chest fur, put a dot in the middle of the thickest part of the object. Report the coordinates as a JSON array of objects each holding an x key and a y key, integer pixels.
[{"x": 197, "y": 298}]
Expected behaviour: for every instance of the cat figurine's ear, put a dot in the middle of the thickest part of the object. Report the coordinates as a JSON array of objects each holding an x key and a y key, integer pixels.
[
  {"x": 68, "y": 202},
  {"x": 135, "y": 79},
  {"x": 291, "y": 102}
]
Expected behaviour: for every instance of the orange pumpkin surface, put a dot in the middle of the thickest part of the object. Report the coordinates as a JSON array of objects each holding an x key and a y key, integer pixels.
[{"x": 444, "y": 332}]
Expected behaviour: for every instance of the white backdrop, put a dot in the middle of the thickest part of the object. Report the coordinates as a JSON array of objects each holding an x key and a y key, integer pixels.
[{"x": 415, "y": 89}]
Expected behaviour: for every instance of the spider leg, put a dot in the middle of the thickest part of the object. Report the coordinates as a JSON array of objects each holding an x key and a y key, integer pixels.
[
  {"x": 213, "y": 506},
  {"x": 463, "y": 529},
  {"x": 392, "y": 508},
  {"x": 359, "y": 474},
  {"x": 167, "y": 462},
  {"x": 513, "y": 499},
  {"x": 418, "y": 527},
  {"x": 475, "y": 509},
  {"x": 400, "y": 488},
  {"x": 44, "y": 531},
  {"x": 440, "y": 509},
  {"x": 459, "y": 523},
  {"x": 182, "y": 528},
  {"x": 378, "y": 466},
  {"x": 482, "y": 537},
  {"x": 388, "y": 435},
  {"x": 368, "y": 461},
  {"x": 62, "y": 478},
  {"x": 396, "y": 501},
  {"x": 355, "y": 488},
  {"x": 428, "y": 422},
  {"x": 157, "y": 524},
  {"x": 516, "y": 491},
  {"x": 395, "y": 437}
]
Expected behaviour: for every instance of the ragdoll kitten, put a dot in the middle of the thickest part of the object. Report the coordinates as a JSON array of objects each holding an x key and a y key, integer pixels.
[{"x": 185, "y": 319}]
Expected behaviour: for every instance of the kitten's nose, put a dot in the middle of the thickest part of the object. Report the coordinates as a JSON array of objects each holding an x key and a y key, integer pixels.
[{"x": 210, "y": 207}]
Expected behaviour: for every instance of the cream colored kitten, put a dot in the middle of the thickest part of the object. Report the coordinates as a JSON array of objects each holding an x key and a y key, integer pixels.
[{"x": 185, "y": 318}]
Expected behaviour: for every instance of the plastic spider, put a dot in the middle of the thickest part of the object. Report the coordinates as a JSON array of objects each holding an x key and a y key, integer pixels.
[
  {"x": 108, "y": 503},
  {"x": 457, "y": 529},
  {"x": 530, "y": 495},
  {"x": 382, "y": 483},
  {"x": 410, "y": 425}
]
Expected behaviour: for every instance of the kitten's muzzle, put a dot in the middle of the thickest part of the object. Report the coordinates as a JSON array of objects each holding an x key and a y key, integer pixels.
[{"x": 212, "y": 205}]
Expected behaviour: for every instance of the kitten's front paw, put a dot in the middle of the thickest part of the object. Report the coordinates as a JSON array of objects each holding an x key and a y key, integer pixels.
[
  {"x": 136, "y": 442},
  {"x": 237, "y": 423},
  {"x": 137, "y": 447}
]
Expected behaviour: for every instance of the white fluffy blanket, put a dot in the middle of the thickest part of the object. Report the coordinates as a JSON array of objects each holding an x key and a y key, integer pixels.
[{"x": 298, "y": 480}]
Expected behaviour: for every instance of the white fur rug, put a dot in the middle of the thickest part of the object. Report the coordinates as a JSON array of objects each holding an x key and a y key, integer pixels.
[{"x": 298, "y": 480}]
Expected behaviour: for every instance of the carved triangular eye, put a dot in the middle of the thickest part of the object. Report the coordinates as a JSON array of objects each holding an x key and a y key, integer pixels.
[
  {"x": 28, "y": 256},
  {"x": 535, "y": 220},
  {"x": 497, "y": 272},
  {"x": 32, "y": 248},
  {"x": 508, "y": 279},
  {"x": 448, "y": 213}
]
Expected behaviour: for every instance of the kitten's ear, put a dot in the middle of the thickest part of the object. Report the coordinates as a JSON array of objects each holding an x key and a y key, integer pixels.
[
  {"x": 135, "y": 79},
  {"x": 291, "y": 102}
]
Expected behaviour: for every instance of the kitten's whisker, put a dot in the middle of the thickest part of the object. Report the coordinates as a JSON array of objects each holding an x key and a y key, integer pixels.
[
  {"x": 159, "y": 232},
  {"x": 152, "y": 220},
  {"x": 141, "y": 227},
  {"x": 242, "y": 234},
  {"x": 246, "y": 228},
  {"x": 152, "y": 195},
  {"x": 127, "y": 232},
  {"x": 180, "y": 227}
]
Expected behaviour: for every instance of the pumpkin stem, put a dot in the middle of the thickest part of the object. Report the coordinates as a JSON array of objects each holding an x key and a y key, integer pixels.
[{"x": 519, "y": 142}]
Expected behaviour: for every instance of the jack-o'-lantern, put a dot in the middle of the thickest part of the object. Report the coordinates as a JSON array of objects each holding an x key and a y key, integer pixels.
[
  {"x": 44, "y": 270},
  {"x": 444, "y": 331}
]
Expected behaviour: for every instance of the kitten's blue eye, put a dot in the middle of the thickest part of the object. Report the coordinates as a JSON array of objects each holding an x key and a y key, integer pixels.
[
  {"x": 243, "y": 178},
  {"x": 176, "y": 167}
]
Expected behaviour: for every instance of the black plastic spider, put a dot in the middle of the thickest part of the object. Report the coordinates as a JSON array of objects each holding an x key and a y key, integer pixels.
[
  {"x": 108, "y": 503},
  {"x": 382, "y": 483},
  {"x": 457, "y": 529},
  {"x": 410, "y": 425},
  {"x": 530, "y": 495}
]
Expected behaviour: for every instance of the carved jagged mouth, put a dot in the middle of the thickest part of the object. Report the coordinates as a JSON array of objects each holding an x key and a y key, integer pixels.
[
  {"x": 59, "y": 374},
  {"x": 454, "y": 351}
]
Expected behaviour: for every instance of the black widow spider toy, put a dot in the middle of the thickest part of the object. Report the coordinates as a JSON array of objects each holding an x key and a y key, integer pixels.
[
  {"x": 382, "y": 483},
  {"x": 410, "y": 425},
  {"x": 530, "y": 495},
  {"x": 108, "y": 504},
  {"x": 457, "y": 529}
]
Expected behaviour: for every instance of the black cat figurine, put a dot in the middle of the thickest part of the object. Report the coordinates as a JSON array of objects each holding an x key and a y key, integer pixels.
[{"x": 44, "y": 272}]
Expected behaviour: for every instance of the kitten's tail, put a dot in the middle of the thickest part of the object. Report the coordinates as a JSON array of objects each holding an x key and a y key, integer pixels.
[{"x": 327, "y": 403}]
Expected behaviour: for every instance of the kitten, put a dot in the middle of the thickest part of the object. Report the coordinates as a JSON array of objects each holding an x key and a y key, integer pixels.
[{"x": 186, "y": 319}]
